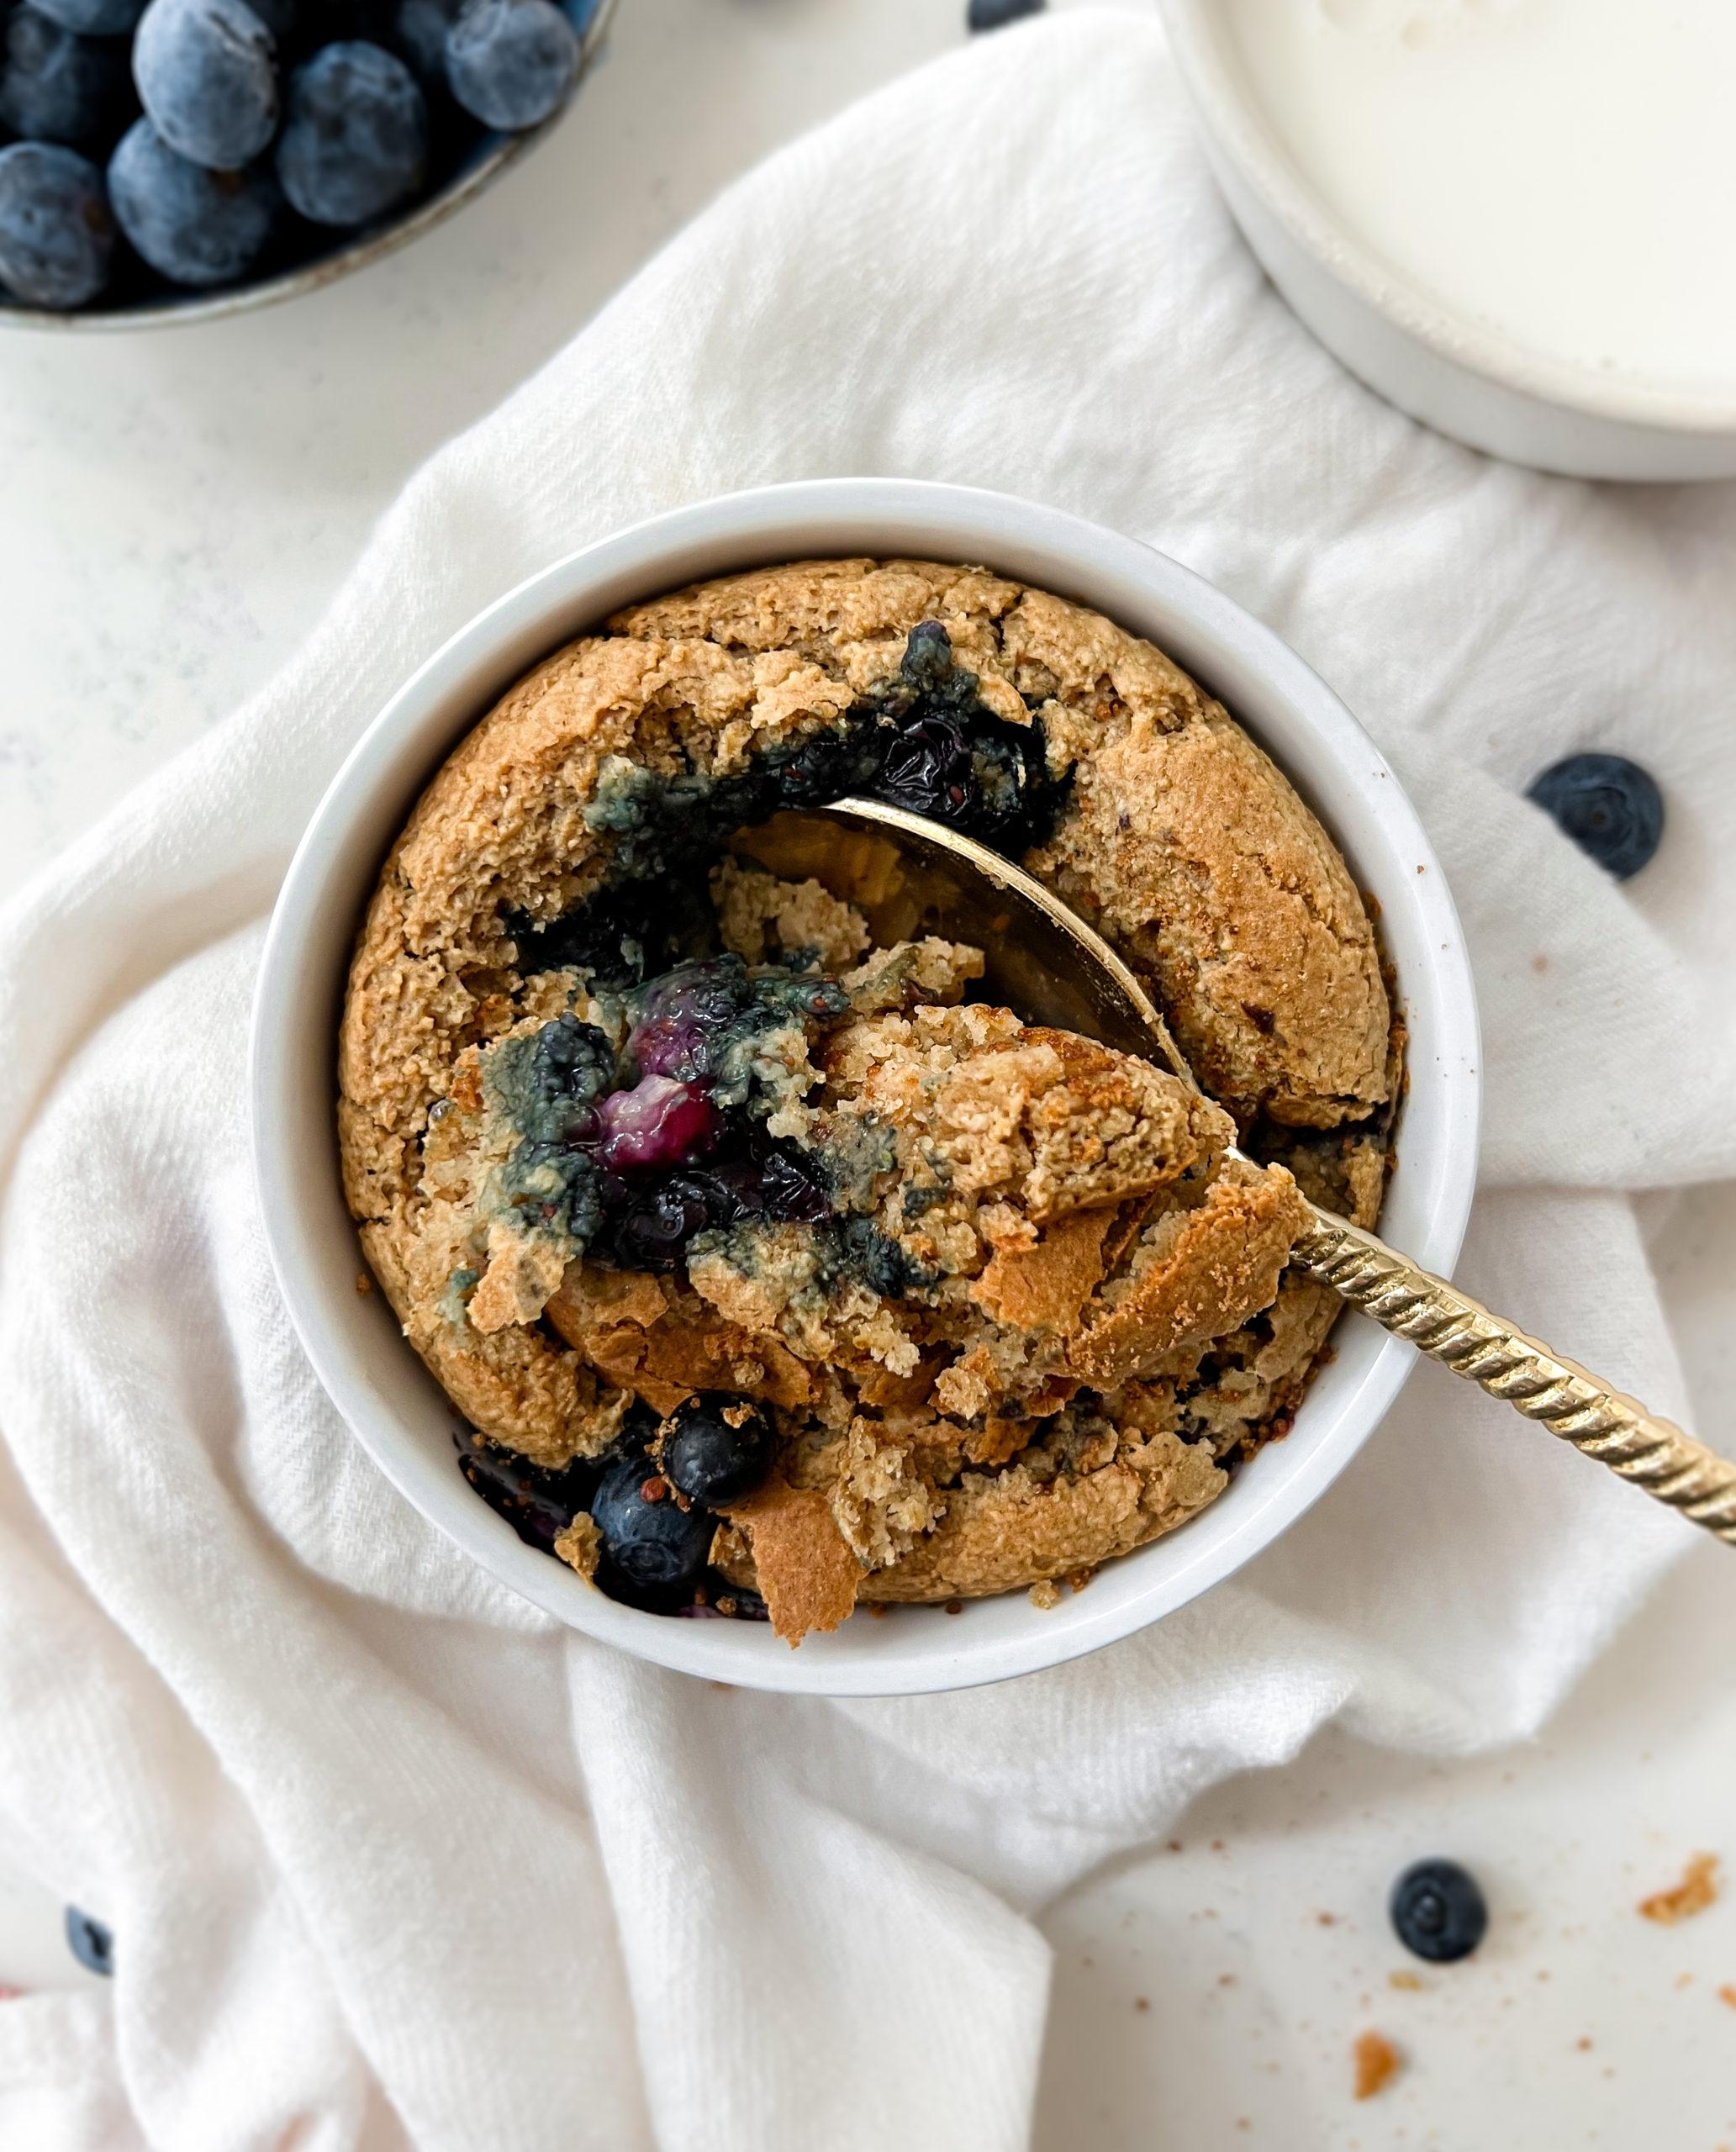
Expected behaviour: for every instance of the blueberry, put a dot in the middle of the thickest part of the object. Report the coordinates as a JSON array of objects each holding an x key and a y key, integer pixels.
[
  {"x": 207, "y": 72},
  {"x": 1609, "y": 806},
  {"x": 660, "y": 1123},
  {"x": 93, "y": 18},
  {"x": 995, "y": 14},
  {"x": 716, "y": 1448},
  {"x": 654, "y": 1551},
  {"x": 56, "y": 87},
  {"x": 419, "y": 37},
  {"x": 538, "y": 1502},
  {"x": 191, "y": 225},
  {"x": 928, "y": 769},
  {"x": 90, "y": 1942},
  {"x": 653, "y": 1232},
  {"x": 511, "y": 62},
  {"x": 1438, "y": 1912},
  {"x": 355, "y": 140},
  {"x": 56, "y": 235}
]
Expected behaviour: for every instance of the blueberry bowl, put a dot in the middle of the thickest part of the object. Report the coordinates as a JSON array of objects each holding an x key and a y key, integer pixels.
[
  {"x": 204, "y": 212},
  {"x": 380, "y": 1385}
]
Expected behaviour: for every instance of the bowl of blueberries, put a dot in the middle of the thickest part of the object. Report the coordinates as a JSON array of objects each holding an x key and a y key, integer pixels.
[{"x": 168, "y": 161}]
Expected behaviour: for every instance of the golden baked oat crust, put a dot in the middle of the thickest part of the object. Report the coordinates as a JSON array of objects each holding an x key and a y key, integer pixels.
[{"x": 928, "y": 1449}]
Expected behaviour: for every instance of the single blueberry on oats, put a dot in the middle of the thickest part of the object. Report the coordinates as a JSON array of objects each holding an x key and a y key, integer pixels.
[
  {"x": 654, "y": 1551},
  {"x": 58, "y": 87},
  {"x": 90, "y": 1942},
  {"x": 56, "y": 235},
  {"x": 511, "y": 62},
  {"x": 1438, "y": 1912},
  {"x": 355, "y": 140},
  {"x": 717, "y": 1448},
  {"x": 193, "y": 226},
  {"x": 207, "y": 71},
  {"x": 1609, "y": 806}
]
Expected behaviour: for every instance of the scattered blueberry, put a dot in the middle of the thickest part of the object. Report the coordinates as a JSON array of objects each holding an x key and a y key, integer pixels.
[
  {"x": 56, "y": 235},
  {"x": 207, "y": 72},
  {"x": 1609, "y": 806},
  {"x": 511, "y": 61},
  {"x": 355, "y": 140},
  {"x": 995, "y": 14},
  {"x": 654, "y": 1551},
  {"x": 195, "y": 226},
  {"x": 1438, "y": 1912},
  {"x": 93, "y": 18},
  {"x": 90, "y": 1942},
  {"x": 538, "y": 1502},
  {"x": 56, "y": 87},
  {"x": 717, "y": 1448}
]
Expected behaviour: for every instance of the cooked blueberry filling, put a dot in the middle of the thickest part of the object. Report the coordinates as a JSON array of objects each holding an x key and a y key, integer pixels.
[
  {"x": 634, "y": 1155},
  {"x": 627, "y": 932},
  {"x": 921, "y": 739},
  {"x": 537, "y": 1501},
  {"x": 702, "y": 1023}
]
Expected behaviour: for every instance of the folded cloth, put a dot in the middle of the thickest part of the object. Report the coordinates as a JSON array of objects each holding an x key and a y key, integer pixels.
[{"x": 391, "y": 1858}]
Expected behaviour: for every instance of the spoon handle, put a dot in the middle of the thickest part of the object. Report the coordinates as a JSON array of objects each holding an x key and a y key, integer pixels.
[{"x": 1461, "y": 1333}]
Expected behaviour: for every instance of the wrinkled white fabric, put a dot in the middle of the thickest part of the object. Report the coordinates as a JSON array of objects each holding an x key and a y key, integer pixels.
[{"x": 392, "y": 1859}]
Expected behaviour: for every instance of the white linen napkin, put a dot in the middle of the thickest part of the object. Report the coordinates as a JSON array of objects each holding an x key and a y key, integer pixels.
[{"x": 392, "y": 1858}]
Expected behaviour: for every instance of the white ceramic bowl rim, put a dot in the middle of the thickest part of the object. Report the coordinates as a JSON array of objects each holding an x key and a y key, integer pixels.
[
  {"x": 1200, "y": 39},
  {"x": 381, "y": 1388}
]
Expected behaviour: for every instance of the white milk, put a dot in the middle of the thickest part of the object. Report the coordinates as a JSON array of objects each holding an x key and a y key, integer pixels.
[{"x": 1563, "y": 170}]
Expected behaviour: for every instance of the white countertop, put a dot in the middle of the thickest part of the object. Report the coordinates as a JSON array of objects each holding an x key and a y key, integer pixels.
[{"x": 177, "y": 508}]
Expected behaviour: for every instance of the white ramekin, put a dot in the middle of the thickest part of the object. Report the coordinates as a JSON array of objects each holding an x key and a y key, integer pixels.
[
  {"x": 1460, "y": 376},
  {"x": 377, "y": 1382}
]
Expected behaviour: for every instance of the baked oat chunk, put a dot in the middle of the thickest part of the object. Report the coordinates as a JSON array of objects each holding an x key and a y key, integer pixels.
[{"x": 626, "y": 1120}]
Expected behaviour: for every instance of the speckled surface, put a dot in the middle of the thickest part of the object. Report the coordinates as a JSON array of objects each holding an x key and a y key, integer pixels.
[{"x": 177, "y": 509}]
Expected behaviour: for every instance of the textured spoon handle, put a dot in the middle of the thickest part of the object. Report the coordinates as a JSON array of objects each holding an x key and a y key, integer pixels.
[{"x": 1462, "y": 1334}]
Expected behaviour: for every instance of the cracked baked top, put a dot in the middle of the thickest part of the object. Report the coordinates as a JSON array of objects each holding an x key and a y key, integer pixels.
[{"x": 771, "y": 1270}]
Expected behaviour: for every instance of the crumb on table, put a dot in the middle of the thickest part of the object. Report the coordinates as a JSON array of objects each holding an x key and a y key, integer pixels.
[
  {"x": 1376, "y": 2060},
  {"x": 1696, "y": 1891},
  {"x": 1403, "y": 1979}
]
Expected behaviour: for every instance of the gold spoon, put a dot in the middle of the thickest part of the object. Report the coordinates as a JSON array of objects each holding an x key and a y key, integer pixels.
[{"x": 910, "y": 877}]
